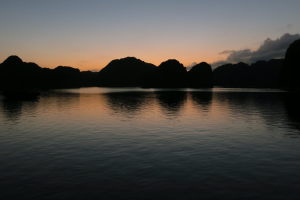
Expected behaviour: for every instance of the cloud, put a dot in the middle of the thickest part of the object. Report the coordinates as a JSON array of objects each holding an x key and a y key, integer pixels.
[{"x": 269, "y": 49}]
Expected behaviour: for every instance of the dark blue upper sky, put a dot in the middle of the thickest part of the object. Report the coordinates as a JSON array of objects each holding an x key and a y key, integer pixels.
[{"x": 90, "y": 33}]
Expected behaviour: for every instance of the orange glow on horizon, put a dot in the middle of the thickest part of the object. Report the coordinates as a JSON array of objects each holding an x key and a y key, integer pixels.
[{"x": 96, "y": 63}]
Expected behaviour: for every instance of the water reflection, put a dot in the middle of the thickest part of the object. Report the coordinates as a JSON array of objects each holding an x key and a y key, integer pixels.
[
  {"x": 292, "y": 106},
  {"x": 12, "y": 108},
  {"x": 127, "y": 102},
  {"x": 171, "y": 102},
  {"x": 271, "y": 109},
  {"x": 267, "y": 108},
  {"x": 202, "y": 100},
  {"x": 217, "y": 140},
  {"x": 62, "y": 100}
]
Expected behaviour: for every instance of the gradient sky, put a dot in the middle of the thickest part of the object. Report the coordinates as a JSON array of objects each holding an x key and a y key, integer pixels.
[{"x": 87, "y": 34}]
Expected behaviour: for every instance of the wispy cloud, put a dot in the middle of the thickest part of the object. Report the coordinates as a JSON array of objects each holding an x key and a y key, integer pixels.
[{"x": 269, "y": 49}]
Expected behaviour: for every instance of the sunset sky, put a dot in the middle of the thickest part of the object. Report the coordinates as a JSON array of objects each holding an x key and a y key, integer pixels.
[{"x": 87, "y": 34}]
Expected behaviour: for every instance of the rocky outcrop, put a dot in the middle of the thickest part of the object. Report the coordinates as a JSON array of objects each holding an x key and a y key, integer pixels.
[
  {"x": 200, "y": 76},
  {"x": 291, "y": 71},
  {"x": 171, "y": 74},
  {"x": 126, "y": 72}
]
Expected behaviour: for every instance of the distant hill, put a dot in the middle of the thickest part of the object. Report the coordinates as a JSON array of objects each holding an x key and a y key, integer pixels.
[
  {"x": 200, "y": 76},
  {"x": 132, "y": 72},
  {"x": 267, "y": 74},
  {"x": 172, "y": 74},
  {"x": 232, "y": 75},
  {"x": 14, "y": 73},
  {"x": 260, "y": 74},
  {"x": 291, "y": 72},
  {"x": 126, "y": 72},
  {"x": 18, "y": 75}
]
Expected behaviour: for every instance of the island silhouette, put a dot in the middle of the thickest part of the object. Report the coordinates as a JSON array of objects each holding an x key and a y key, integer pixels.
[{"x": 19, "y": 77}]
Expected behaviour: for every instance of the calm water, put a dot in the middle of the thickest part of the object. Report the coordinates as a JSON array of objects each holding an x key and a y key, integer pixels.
[{"x": 97, "y": 143}]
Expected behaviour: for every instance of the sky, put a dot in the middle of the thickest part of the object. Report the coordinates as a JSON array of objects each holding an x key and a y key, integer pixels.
[{"x": 88, "y": 34}]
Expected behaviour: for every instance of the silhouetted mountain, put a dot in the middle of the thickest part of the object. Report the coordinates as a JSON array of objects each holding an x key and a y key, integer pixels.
[
  {"x": 89, "y": 79},
  {"x": 13, "y": 60},
  {"x": 232, "y": 75},
  {"x": 171, "y": 74},
  {"x": 260, "y": 74},
  {"x": 134, "y": 72},
  {"x": 126, "y": 72},
  {"x": 200, "y": 76},
  {"x": 24, "y": 78},
  {"x": 14, "y": 73},
  {"x": 66, "y": 77},
  {"x": 291, "y": 71},
  {"x": 266, "y": 73}
]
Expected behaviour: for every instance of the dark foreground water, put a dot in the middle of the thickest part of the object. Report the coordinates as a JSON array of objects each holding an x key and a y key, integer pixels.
[{"x": 98, "y": 143}]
